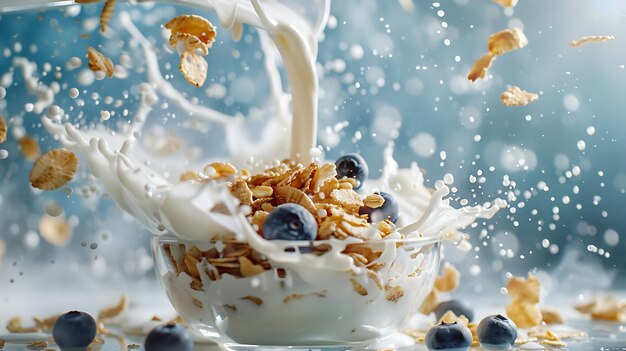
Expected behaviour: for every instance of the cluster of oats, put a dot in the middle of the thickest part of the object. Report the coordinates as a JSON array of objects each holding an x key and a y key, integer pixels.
[
  {"x": 192, "y": 36},
  {"x": 333, "y": 202},
  {"x": 607, "y": 308},
  {"x": 497, "y": 44},
  {"x": 515, "y": 96},
  {"x": 446, "y": 282}
]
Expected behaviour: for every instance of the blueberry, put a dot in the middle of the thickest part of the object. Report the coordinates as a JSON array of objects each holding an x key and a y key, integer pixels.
[
  {"x": 459, "y": 308},
  {"x": 449, "y": 336},
  {"x": 496, "y": 333},
  {"x": 389, "y": 210},
  {"x": 74, "y": 330},
  {"x": 290, "y": 222},
  {"x": 169, "y": 337},
  {"x": 352, "y": 166}
]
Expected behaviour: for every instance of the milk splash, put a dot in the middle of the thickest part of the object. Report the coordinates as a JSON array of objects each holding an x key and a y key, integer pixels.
[{"x": 192, "y": 210}]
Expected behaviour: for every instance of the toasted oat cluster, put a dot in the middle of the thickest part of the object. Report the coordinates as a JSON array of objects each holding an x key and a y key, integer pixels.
[
  {"x": 514, "y": 96},
  {"x": 333, "y": 202},
  {"x": 192, "y": 36},
  {"x": 590, "y": 39}
]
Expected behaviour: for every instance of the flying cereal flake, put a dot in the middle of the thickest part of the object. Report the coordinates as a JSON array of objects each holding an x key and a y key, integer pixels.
[
  {"x": 194, "y": 68},
  {"x": 106, "y": 14},
  {"x": 481, "y": 66},
  {"x": 54, "y": 169},
  {"x": 498, "y": 44},
  {"x": 506, "y": 40},
  {"x": 29, "y": 147},
  {"x": 99, "y": 62},
  {"x": 506, "y": 3},
  {"x": 3, "y": 130},
  {"x": 188, "y": 42},
  {"x": 514, "y": 96},
  {"x": 407, "y": 5},
  {"x": 115, "y": 310},
  {"x": 55, "y": 230},
  {"x": 590, "y": 39},
  {"x": 195, "y": 25}
]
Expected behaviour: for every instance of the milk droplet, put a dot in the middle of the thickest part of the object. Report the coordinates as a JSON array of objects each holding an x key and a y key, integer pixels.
[
  {"x": 74, "y": 93},
  {"x": 581, "y": 145}
]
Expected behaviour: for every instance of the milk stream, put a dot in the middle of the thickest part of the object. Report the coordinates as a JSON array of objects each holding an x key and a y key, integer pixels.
[{"x": 187, "y": 209}]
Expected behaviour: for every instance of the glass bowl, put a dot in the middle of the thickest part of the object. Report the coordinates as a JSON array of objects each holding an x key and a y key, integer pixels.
[{"x": 232, "y": 294}]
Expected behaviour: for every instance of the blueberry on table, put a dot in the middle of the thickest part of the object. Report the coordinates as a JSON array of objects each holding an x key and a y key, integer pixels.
[
  {"x": 290, "y": 222},
  {"x": 352, "y": 166},
  {"x": 74, "y": 329},
  {"x": 449, "y": 336},
  {"x": 389, "y": 210},
  {"x": 169, "y": 337},
  {"x": 496, "y": 333},
  {"x": 459, "y": 308}
]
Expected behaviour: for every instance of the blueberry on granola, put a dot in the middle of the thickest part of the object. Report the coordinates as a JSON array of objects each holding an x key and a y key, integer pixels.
[
  {"x": 389, "y": 210},
  {"x": 352, "y": 166},
  {"x": 290, "y": 222},
  {"x": 460, "y": 308},
  {"x": 74, "y": 330},
  {"x": 496, "y": 333},
  {"x": 448, "y": 336},
  {"x": 169, "y": 337}
]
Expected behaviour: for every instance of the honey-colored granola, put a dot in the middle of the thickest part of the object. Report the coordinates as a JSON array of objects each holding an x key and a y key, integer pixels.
[{"x": 54, "y": 169}]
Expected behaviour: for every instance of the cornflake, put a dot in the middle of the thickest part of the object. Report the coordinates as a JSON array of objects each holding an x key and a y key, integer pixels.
[
  {"x": 374, "y": 201},
  {"x": 114, "y": 311},
  {"x": 194, "y": 68},
  {"x": 54, "y": 169},
  {"x": 195, "y": 25},
  {"x": 481, "y": 66},
  {"x": 106, "y": 14},
  {"x": 29, "y": 147},
  {"x": 525, "y": 294},
  {"x": 187, "y": 42},
  {"x": 258, "y": 301},
  {"x": 514, "y": 96},
  {"x": 36, "y": 344},
  {"x": 506, "y": 40},
  {"x": 3, "y": 130},
  {"x": 99, "y": 62},
  {"x": 590, "y": 39}
]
